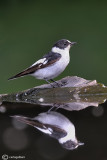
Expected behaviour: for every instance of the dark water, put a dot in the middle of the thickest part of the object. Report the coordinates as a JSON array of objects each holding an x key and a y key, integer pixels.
[{"x": 20, "y": 139}]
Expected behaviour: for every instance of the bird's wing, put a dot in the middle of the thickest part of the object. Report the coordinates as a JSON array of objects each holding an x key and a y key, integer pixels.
[
  {"x": 47, "y": 60},
  {"x": 57, "y": 131}
]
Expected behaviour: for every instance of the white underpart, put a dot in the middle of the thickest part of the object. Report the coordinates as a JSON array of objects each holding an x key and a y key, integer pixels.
[
  {"x": 43, "y": 61},
  {"x": 70, "y": 135},
  {"x": 55, "y": 69},
  {"x": 57, "y": 119}
]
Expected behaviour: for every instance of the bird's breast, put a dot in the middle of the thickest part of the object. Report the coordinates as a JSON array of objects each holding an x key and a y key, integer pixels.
[{"x": 53, "y": 70}]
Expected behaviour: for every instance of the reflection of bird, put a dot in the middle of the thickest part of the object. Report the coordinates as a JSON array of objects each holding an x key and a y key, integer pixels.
[
  {"x": 51, "y": 64},
  {"x": 56, "y": 125}
]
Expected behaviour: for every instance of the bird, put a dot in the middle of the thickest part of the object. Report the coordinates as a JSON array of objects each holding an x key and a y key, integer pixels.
[
  {"x": 51, "y": 64},
  {"x": 56, "y": 126}
]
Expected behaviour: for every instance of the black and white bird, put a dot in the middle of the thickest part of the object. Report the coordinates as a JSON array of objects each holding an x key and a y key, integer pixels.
[
  {"x": 56, "y": 126},
  {"x": 51, "y": 64}
]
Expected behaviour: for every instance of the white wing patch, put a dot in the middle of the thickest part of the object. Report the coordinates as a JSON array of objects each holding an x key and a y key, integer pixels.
[
  {"x": 43, "y": 61},
  {"x": 47, "y": 131}
]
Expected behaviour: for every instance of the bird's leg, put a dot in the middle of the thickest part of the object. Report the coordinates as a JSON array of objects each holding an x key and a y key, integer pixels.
[
  {"x": 56, "y": 83},
  {"x": 50, "y": 109},
  {"x": 50, "y": 83},
  {"x": 55, "y": 107}
]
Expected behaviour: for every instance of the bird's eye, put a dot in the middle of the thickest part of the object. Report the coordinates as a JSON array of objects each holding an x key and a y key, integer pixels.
[{"x": 65, "y": 44}]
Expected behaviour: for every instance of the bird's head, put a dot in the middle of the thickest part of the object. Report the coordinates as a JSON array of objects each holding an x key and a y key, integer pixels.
[
  {"x": 71, "y": 145},
  {"x": 63, "y": 44}
]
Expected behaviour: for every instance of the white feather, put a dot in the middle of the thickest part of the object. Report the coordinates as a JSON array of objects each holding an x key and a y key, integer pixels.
[
  {"x": 43, "y": 61},
  {"x": 47, "y": 131},
  {"x": 55, "y": 69},
  {"x": 61, "y": 51},
  {"x": 57, "y": 119}
]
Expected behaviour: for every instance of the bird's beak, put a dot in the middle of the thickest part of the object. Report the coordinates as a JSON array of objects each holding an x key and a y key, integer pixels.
[
  {"x": 72, "y": 43},
  {"x": 80, "y": 143}
]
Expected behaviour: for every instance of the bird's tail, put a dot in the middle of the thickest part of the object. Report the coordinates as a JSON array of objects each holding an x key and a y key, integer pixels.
[
  {"x": 21, "y": 74},
  {"x": 27, "y": 120}
]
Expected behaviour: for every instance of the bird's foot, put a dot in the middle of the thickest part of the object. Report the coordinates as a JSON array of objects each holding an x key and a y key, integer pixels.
[{"x": 56, "y": 83}]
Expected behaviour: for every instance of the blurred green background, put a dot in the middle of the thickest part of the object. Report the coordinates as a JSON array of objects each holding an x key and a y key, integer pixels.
[{"x": 29, "y": 28}]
